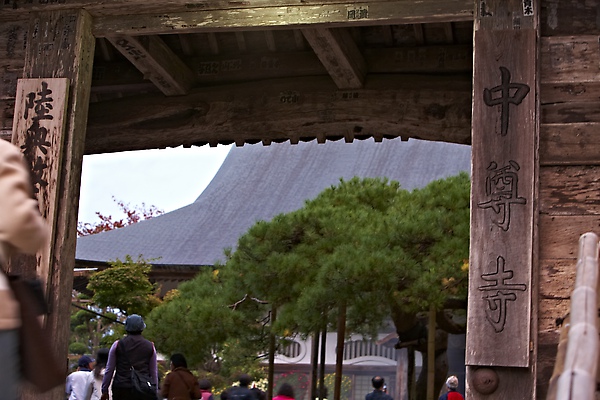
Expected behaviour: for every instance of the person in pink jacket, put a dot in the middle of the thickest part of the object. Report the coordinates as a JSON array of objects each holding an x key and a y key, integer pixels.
[
  {"x": 22, "y": 229},
  {"x": 285, "y": 392}
]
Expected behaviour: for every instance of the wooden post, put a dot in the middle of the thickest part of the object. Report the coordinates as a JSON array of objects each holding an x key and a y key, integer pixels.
[
  {"x": 60, "y": 45},
  {"x": 501, "y": 331},
  {"x": 402, "y": 375},
  {"x": 578, "y": 379}
]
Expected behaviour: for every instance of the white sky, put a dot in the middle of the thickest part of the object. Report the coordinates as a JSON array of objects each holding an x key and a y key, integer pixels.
[{"x": 167, "y": 178}]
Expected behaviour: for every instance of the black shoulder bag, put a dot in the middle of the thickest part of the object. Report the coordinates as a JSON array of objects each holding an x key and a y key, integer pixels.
[
  {"x": 141, "y": 384},
  {"x": 39, "y": 364}
]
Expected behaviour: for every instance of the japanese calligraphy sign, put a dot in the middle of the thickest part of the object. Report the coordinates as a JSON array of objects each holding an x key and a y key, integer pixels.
[
  {"x": 40, "y": 111},
  {"x": 502, "y": 202}
]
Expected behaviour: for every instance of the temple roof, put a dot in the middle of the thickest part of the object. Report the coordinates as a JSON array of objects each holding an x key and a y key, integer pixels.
[{"x": 257, "y": 182}]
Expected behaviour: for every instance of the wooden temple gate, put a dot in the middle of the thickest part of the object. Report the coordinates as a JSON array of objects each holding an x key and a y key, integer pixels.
[{"x": 109, "y": 75}]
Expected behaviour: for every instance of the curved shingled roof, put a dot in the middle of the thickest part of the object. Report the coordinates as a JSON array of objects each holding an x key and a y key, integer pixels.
[{"x": 257, "y": 182}]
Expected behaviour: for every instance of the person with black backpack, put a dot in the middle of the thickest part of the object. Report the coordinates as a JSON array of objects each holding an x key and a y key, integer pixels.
[
  {"x": 132, "y": 365},
  {"x": 241, "y": 392}
]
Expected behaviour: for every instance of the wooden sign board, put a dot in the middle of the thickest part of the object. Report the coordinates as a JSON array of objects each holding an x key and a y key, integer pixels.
[
  {"x": 502, "y": 198},
  {"x": 40, "y": 112}
]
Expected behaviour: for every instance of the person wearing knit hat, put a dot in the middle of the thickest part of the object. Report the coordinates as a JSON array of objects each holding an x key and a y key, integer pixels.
[
  {"x": 131, "y": 351},
  {"x": 452, "y": 394}
]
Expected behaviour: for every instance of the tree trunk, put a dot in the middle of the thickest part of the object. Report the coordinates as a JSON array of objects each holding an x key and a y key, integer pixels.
[
  {"x": 441, "y": 370},
  {"x": 431, "y": 354},
  {"x": 271, "y": 356},
  {"x": 314, "y": 361},
  {"x": 339, "y": 352},
  {"x": 411, "y": 387},
  {"x": 322, "y": 388}
]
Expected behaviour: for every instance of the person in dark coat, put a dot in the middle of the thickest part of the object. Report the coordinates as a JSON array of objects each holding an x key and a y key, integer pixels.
[
  {"x": 180, "y": 383},
  {"x": 241, "y": 392},
  {"x": 133, "y": 350},
  {"x": 378, "y": 393}
]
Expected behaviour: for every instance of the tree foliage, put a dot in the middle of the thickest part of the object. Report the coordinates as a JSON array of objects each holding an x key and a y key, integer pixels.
[
  {"x": 91, "y": 327},
  {"x": 122, "y": 288},
  {"x": 108, "y": 223},
  {"x": 366, "y": 245},
  {"x": 125, "y": 286}
]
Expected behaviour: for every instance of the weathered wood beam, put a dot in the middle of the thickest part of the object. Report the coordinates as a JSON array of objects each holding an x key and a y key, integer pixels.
[
  {"x": 557, "y": 231},
  {"x": 570, "y": 190},
  {"x": 299, "y": 38},
  {"x": 424, "y": 10},
  {"x": 286, "y": 109},
  {"x": 449, "y": 32},
  {"x": 568, "y": 59},
  {"x": 270, "y": 40},
  {"x": 340, "y": 56},
  {"x": 570, "y": 143},
  {"x": 213, "y": 43},
  {"x": 241, "y": 41},
  {"x": 328, "y": 15},
  {"x": 419, "y": 34},
  {"x": 105, "y": 49},
  {"x": 186, "y": 45},
  {"x": 570, "y": 17},
  {"x": 157, "y": 62}
]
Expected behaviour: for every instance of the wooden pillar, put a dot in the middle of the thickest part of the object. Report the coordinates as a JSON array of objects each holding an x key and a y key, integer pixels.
[
  {"x": 402, "y": 375},
  {"x": 502, "y": 315},
  {"x": 60, "y": 44}
]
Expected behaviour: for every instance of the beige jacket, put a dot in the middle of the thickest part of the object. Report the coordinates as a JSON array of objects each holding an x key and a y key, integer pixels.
[{"x": 22, "y": 228}]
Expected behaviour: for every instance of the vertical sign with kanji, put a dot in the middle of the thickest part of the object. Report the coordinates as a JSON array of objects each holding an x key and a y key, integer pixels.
[
  {"x": 504, "y": 153},
  {"x": 39, "y": 120}
]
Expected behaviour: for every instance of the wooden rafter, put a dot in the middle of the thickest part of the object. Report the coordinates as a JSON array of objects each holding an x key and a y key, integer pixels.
[
  {"x": 270, "y": 39},
  {"x": 151, "y": 56},
  {"x": 406, "y": 60},
  {"x": 340, "y": 56},
  {"x": 419, "y": 34}
]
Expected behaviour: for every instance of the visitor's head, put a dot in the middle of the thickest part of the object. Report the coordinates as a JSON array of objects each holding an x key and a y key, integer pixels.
[
  {"x": 205, "y": 384},
  {"x": 102, "y": 356},
  {"x": 245, "y": 380},
  {"x": 377, "y": 382},
  {"x": 452, "y": 382},
  {"x": 286, "y": 390},
  {"x": 85, "y": 362},
  {"x": 134, "y": 324},
  {"x": 178, "y": 361}
]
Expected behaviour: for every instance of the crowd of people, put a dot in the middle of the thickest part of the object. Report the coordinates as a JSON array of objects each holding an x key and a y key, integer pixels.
[{"x": 110, "y": 377}]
